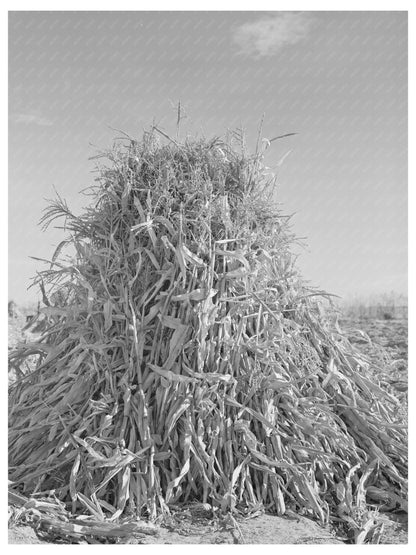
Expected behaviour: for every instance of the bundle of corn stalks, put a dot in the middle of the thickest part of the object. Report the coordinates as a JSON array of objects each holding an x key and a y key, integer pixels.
[{"x": 185, "y": 359}]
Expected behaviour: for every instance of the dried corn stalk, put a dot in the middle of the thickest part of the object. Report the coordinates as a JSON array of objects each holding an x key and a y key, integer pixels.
[{"x": 188, "y": 359}]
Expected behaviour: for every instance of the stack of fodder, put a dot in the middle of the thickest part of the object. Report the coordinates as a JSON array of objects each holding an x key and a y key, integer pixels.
[{"x": 188, "y": 360}]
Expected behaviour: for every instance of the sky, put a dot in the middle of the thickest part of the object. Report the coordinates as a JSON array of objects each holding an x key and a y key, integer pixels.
[{"x": 336, "y": 79}]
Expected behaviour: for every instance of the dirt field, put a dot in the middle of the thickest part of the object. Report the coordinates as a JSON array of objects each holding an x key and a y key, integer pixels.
[
  {"x": 191, "y": 526},
  {"x": 391, "y": 362}
]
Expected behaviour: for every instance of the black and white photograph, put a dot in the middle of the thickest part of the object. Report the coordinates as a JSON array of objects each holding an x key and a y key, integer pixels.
[{"x": 207, "y": 252}]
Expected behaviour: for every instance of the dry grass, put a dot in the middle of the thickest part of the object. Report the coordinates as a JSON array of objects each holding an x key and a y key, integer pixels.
[{"x": 185, "y": 359}]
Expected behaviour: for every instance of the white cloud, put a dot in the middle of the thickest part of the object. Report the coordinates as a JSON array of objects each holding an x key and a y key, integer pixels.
[
  {"x": 268, "y": 35},
  {"x": 28, "y": 119}
]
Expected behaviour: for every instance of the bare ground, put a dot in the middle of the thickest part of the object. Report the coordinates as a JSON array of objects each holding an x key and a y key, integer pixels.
[{"x": 184, "y": 529}]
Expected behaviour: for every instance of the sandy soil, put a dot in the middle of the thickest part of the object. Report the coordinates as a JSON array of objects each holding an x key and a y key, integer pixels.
[{"x": 186, "y": 529}]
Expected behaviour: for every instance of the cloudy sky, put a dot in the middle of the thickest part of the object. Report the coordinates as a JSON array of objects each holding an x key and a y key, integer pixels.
[{"x": 337, "y": 79}]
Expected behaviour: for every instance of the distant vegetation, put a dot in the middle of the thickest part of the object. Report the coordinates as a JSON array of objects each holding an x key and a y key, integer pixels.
[{"x": 384, "y": 307}]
